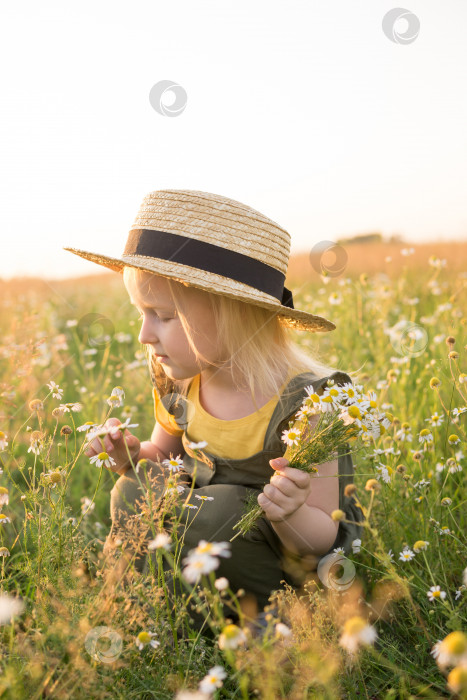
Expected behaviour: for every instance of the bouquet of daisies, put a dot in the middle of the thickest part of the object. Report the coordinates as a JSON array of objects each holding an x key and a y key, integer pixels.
[{"x": 344, "y": 415}]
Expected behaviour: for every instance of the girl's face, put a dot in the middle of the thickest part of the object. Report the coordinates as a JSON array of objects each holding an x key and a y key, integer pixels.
[{"x": 163, "y": 331}]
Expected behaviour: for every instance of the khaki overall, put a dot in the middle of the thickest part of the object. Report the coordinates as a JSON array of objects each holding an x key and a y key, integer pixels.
[{"x": 258, "y": 562}]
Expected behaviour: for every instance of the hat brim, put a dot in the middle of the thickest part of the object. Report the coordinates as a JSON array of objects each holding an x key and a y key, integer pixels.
[{"x": 211, "y": 282}]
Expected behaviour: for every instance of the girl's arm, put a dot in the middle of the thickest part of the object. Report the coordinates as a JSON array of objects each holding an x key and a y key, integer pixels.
[{"x": 299, "y": 505}]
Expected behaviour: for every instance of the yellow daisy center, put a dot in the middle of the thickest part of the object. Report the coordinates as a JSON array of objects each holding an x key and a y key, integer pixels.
[
  {"x": 420, "y": 544},
  {"x": 3, "y": 489},
  {"x": 354, "y": 412},
  {"x": 2, "y": 435},
  {"x": 231, "y": 631},
  {"x": 205, "y": 548},
  {"x": 144, "y": 637},
  {"x": 354, "y": 625},
  {"x": 103, "y": 455},
  {"x": 455, "y": 643}
]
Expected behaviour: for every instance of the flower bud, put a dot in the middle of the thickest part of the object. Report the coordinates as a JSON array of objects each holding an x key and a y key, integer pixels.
[
  {"x": 337, "y": 515},
  {"x": 349, "y": 490}
]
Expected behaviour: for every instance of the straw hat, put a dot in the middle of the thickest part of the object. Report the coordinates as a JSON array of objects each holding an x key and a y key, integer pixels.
[{"x": 216, "y": 244}]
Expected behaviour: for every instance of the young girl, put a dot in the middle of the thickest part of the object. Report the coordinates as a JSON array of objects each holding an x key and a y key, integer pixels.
[{"x": 207, "y": 275}]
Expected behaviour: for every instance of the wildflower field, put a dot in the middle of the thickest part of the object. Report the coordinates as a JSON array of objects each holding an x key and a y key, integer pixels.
[{"x": 388, "y": 621}]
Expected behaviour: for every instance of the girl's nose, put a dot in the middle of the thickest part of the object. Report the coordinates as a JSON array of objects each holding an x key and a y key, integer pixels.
[{"x": 147, "y": 334}]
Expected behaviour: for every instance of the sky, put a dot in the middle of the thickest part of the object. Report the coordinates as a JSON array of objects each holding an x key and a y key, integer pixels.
[{"x": 304, "y": 110}]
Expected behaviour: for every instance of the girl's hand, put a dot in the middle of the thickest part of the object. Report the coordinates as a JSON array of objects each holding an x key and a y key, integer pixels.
[
  {"x": 114, "y": 444},
  {"x": 288, "y": 490}
]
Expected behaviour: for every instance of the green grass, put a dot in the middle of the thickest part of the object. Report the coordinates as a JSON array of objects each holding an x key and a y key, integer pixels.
[{"x": 56, "y": 562}]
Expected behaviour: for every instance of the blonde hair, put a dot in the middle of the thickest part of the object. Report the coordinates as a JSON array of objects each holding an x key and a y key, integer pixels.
[{"x": 259, "y": 349}]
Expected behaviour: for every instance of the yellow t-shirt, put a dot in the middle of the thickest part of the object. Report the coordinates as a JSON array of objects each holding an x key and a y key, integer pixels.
[{"x": 232, "y": 439}]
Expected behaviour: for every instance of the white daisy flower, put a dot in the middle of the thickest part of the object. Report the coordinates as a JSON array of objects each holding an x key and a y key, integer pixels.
[
  {"x": 161, "y": 541},
  {"x": 4, "y": 519},
  {"x": 214, "y": 679},
  {"x": 420, "y": 484},
  {"x": 145, "y": 638},
  {"x": 305, "y": 412},
  {"x": 451, "y": 651},
  {"x": 189, "y": 505},
  {"x": 87, "y": 505},
  {"x": 174, "y": 464},
  {"x": 57, "y": 393},
  {"x": 36, "y": 446},
  {"x": 204, "y": 498},
  {"x": 425, "y": 436},
  {"x": 103, "y": 460},
  {"x": 435, "y": 592},
  {"x": 231, "y": 637},
  {"x": 4, "y": 498},
  {"x": 196, "y": 565},
  {"x": 173, "y": 487},
  {"x": 420, "y": 545},
  {"x": 454, "y": 468},
  {"x": 117, "y": 397},
  {"x": 357, "y": 632},
  {"x": 335, "y": 298},
  {"x": 435, "y": 420},
  {"x": 197, "y": 445},
  {"x": 291, "y": 436},
  {"x": 9, "y": 606},
  {"x": 349, "y": 392},
  {"x": 68, "y": 407},
  {"x": 282, "y": 630},
  {"x": 89, "y": 425},
  {"x": 406, "y": 554},
  {"x": 383, "y": 473},
  {"x": 214, "y": 549},
  {"x": 328, "y": 404},
  {"x": 3, "y": 440}
]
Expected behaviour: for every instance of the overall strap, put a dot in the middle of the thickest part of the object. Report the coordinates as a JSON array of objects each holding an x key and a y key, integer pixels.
[{"x": 290, "y": 401}]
